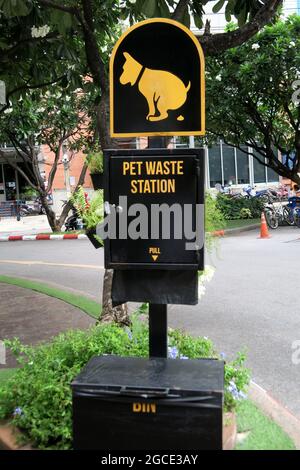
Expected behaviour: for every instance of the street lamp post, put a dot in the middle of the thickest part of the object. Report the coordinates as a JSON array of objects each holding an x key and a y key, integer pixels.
[{"x": 66, "y": 164}]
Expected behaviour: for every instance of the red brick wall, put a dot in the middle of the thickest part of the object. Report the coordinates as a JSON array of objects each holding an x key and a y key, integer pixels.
[{"x": 76, "y": 164}]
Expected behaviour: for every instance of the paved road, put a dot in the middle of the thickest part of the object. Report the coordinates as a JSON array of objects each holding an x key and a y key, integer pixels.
[{"x": 252, "y": 302}]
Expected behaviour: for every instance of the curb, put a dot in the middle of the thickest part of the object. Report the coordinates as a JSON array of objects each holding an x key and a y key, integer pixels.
[
  {"x": 277, "y": 412},
  {"x": 233, "y": 231},
  {"x": 42, "y": 236}
]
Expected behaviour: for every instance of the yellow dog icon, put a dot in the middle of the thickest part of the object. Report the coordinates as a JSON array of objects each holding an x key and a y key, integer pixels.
[{"x": 162, "y": 90}]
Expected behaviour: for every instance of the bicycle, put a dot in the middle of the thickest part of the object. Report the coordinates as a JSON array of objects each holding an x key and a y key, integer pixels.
[{"x": 279, "y": 214}]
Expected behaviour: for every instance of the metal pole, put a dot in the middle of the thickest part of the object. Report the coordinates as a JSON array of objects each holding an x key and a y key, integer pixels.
[
  {"x": 158, "y": 330},
  {"x": 158, "y": 313},
  {"x": 191, "y": 142}
]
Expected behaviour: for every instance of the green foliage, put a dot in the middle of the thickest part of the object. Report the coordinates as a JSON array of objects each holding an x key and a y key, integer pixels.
[
  {"x": 58, "y": 53},
  {"x": 14, "y": 8},
  {"x": 91, "y": 212},
  {"x": 245, "y": 213},
  {"x": 236, "y": 380},
  {"x": 48, "y": 117},
  {"x": 242, "y": 10},
  {"x": 239, "y": 208},
  {"x": 38, "y": 396},
  {"x": 28, "y": 193},
  {"x": 214, "y": 218},
  {"x": 95, "y": 162},
  {"x": 249, "y": 92}
]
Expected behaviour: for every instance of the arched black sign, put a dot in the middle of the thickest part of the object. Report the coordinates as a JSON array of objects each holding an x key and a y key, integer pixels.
[{"x": 157, "y": 81}]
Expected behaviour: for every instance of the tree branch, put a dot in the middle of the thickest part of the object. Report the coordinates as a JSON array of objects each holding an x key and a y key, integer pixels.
[
  {"x": 29, "y": 40},
  {"x": 217, "y": 43},
  {"x": 28, "y": 87},
  {"x": 94, "y": 60},
  {"x": 56, "y": 6},
  {"x": 69, "y": 204},
  {"x": 180, "y": 10}
]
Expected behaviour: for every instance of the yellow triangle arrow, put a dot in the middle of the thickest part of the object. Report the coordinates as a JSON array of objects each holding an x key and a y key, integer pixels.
[{"x": 154, "y": 257}]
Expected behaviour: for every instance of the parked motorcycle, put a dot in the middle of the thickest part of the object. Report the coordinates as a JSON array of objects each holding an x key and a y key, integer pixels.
[
  {"x": 264, "y": 194},
  {"x": 73, "y": 222}
]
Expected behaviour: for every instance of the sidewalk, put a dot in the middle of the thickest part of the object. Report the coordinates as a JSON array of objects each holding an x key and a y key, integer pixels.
[
  {"x": 34, "y": 317},
  {"x": 26, "y": 226}
]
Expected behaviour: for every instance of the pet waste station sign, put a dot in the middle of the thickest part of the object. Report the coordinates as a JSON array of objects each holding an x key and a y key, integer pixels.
[
  {"x": 157, "y": 81},
  {"x": 157, "y": 202}
]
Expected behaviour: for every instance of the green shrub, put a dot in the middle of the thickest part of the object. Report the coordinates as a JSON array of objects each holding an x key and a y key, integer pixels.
[
  {"x": 38, "y": 396},
  {"x": 28, "y": 193},
  {"x": 245, "y": 213},
  {"x": 214, "y": 218},
  {"x": 91, "y": 212},
  {"x": 95, "y": 162},
  {"x": 233, "y": 208}
]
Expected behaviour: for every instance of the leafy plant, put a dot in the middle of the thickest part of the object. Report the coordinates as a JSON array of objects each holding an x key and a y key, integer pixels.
[
  {"x": 95, "y": 162},
  {"x": 28, "y": 193},
  {"x": 91, "y": 211},
  {"x": 245, "y": 213},
  {"x": 234, "y": 208},
  {"x": 38, "y": 397},
  {"x": 214, "y": 218}
]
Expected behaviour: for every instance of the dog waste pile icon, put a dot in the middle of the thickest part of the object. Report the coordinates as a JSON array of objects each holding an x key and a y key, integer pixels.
[{"x": 155, "y": 87}]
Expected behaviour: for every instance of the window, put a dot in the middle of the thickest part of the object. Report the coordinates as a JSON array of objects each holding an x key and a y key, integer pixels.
[
  {"x": 215, "y": 172},
  {"x": 259, "y": 169},
  {"x": 242, "y": 162},
  {"x": 228, "y": 165},
  {"x": 10, "y": 182},
  {"x": 272, "y": 176}
]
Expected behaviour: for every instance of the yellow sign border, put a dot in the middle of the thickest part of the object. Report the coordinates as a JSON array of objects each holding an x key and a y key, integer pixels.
[{"x": 202, "y": 82}]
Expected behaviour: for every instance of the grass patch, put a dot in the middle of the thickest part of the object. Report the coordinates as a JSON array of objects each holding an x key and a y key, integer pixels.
[
  {"x": 85, "y": 304},
  {"x": 241, "y": 223},
  {"x": 6, "y": 374},
  {"x": 264, "y": 434}
]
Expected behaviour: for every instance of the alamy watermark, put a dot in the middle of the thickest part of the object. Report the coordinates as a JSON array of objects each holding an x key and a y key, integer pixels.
[
  {"x": 2, "y": 353},
  {"x": 296, "y": 94},
  {"x": 296, "y": 353},
  {"x": 2, "y": 92},
  {"x": 156, "y": 221}
]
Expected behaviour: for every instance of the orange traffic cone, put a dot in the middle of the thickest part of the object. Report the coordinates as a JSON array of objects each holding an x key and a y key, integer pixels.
[{"x": 264, "y": 232}]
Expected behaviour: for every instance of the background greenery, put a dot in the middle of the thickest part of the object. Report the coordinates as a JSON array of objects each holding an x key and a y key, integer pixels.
[{"x": 239, "y": 208}]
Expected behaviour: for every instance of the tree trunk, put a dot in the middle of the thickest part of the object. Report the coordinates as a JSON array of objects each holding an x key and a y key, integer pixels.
[
  {"x": 53, "y": 222},
  {"x": 69, "y": 204},
  {"x": 118, "y": 314}
]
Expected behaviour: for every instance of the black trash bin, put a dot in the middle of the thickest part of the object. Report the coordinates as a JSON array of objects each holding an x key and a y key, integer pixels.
[{"x": 128, "y": 403}]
